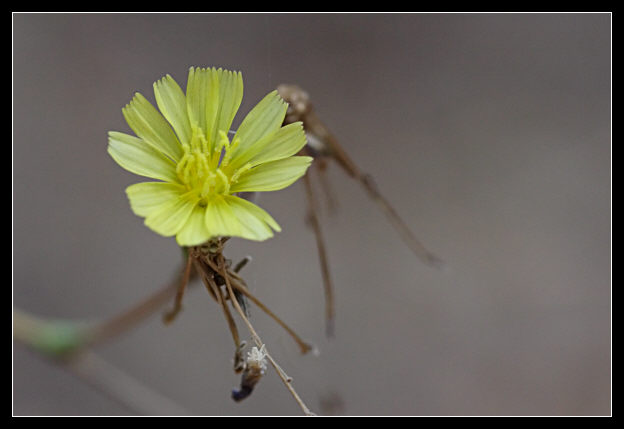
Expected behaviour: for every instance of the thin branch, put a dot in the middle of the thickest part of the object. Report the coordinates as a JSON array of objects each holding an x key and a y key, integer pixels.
[
  {"x": 239, "y": 285},
  {"x": 322, "y": 143},
  {"x": 303, "y": 346},
  {"x": 399, "y": 224},
  {"x": 322, "y": 253},
  {"x": 283, "y": 376},
  {"x": 342, "y": 158},
  {"x": 169, "y": 316},
  {"x": 332, "y": 202},
  {"x": 226, "y": 311}
]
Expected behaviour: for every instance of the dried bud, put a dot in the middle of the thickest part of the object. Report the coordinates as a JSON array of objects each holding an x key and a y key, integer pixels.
[{"x": 255, "y": 368}]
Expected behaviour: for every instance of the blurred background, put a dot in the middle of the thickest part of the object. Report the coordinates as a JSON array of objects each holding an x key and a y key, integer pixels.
[{"x": 491, "y": 135}]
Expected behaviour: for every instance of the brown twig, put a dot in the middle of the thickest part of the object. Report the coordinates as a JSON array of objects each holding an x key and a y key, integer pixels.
[
  {"x": 322, "y": 254},
  {"x": 323, "y": 144},
  {"x": 320, "y": 165},
  {"x": 222, "y": 269},
  {"x": 226, "y": 311},
  {"x": 303, "y": 346},
  {"x": 169, "y": 316}
]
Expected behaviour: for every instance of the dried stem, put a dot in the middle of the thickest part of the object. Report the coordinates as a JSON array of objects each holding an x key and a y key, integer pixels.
[
  {"x": 323, "y": 144},
  {"x": 399, "y": 224},
  {"x": 222, "y": 269},
  {"x": 214, "y": 271},
  {"x": 322, "y": 253},
  {"x": 320, "y": 165},
  {"x": 169, "y": 316},
  {"x": 347, "y": 164},
  {"x": 240, "y": 287},
  {"x": 226, "y": 312},
  {"x": 303, "y": 346}
]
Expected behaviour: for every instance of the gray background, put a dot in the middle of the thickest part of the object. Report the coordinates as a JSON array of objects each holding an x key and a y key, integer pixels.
[{"x": 491, "y": 135}]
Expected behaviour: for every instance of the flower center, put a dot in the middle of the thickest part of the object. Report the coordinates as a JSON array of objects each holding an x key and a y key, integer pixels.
[{"x": 201, "y": 168}]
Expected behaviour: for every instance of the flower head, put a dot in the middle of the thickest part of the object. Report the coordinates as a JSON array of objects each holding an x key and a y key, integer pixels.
[{"x": 199, "y": 166}]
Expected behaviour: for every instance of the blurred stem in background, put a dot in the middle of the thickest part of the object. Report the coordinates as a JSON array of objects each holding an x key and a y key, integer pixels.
[
  {"x": 68, "y": 344},
  {"x": 64, "y": 343},
  {"x": 61, "y": 339}
]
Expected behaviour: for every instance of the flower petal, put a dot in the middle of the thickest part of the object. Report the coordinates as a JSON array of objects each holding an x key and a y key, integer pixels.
[
  {"x": 220, "y": 219},
  {"x": 285, "y": 142},
  {"x": 170, "y": 217},
  {"x": 272, "y": 176},
  {"x": 147, "y": 197},
  {"x": 198, "y": 90},
  {"x": 172, "y": 103},
  {"x": 194, "y": 232},
  {"x": 265, "y": 118},
  {"x": 148, "y": 124},
  {"x": 256, "y": 223},
  {"x": 223, "y": 102},
  {"x": 138, "y": 157}
]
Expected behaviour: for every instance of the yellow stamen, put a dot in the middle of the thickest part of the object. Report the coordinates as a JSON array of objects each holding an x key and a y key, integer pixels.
[{"x": 202, "y": 170}]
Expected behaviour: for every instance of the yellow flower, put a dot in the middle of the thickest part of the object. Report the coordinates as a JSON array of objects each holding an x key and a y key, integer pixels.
[{"x": 199, "y": 169}]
